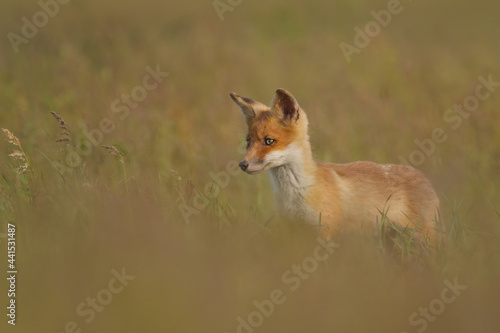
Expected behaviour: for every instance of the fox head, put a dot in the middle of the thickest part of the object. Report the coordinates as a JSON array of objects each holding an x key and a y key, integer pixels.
[{"x": 276, "y": 133}]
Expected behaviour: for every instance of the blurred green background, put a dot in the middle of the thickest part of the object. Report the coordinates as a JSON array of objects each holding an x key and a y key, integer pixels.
[{"x": 77, "y": 224}]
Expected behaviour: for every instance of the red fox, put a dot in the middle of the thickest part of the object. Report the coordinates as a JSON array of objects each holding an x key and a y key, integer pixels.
[{"x": 338, "y": 196}]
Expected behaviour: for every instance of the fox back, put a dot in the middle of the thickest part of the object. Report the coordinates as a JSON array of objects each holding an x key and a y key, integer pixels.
[{"x": 341, "y": 196}]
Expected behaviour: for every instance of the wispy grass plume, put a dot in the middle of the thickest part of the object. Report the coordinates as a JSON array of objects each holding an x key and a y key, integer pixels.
[
  {"x": 65, "y": 142},
  {"x": 24, "y": 164},
  {"x": 119, "y": 156},
  {"x": 64, "y": 137}
]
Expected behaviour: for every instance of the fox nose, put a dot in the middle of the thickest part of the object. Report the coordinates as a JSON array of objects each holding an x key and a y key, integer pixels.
[{"x": 243, "y": 165}]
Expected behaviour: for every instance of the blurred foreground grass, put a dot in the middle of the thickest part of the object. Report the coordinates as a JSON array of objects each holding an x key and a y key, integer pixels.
[{"x": 75, "y": 225}]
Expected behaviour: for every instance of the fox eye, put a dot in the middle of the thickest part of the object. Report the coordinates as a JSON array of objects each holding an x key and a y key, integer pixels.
[
  {"x": 248, "y": 142},
  {"x": 269, "y": 141}
]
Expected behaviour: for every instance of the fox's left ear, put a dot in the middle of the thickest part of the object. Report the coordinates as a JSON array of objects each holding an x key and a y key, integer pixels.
[{"x": 285, "y": 105}]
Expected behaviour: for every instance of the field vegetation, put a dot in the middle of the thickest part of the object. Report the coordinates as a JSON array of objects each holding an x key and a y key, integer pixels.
[{"x": 117, "y": 120}]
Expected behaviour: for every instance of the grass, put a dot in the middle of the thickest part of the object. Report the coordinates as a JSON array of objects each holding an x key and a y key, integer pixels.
[{"x": 80, "y": 213}]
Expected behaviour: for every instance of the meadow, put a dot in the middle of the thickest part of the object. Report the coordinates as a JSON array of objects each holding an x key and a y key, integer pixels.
[{"x": 118, "y": 123}]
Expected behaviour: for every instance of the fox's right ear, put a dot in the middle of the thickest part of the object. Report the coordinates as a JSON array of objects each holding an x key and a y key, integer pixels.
[{"x": 246, "y": 105}]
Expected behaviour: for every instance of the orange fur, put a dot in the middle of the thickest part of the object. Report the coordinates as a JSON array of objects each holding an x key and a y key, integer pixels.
[{"x": 344, "y": 196}]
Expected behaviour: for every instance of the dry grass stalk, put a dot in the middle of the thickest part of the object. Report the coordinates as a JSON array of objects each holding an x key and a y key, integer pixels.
[
  {"x": 64, "y": 136},
  {"x": 119, "y": 155},
  {"x": 115, "y": 152},
  {"x": 20, "y": 155}
]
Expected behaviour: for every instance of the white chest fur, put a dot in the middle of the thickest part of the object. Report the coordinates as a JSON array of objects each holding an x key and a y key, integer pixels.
[{"x": 291, "y": 184}]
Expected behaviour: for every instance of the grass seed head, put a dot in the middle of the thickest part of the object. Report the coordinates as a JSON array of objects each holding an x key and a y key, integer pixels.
[
  {"x": 64, "y": 136},
  {"x": 11, "y": 138},
  {"x": 19, "y": 155}
]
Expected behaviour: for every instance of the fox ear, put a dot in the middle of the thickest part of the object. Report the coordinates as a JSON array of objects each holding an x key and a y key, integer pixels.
[
  {"x": 285, "y": 105},
  {"x": 245, "y": 105},
  {"x": 249, "y": 107}
]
